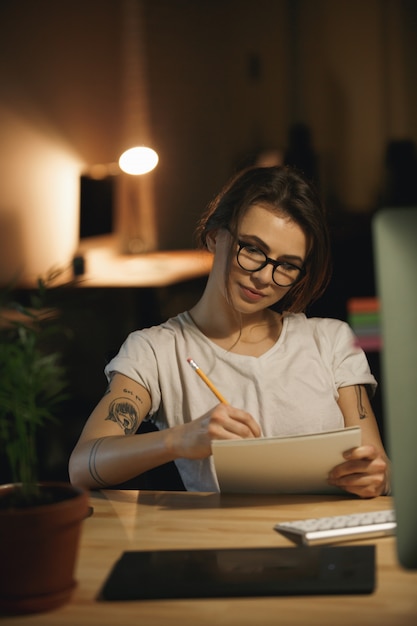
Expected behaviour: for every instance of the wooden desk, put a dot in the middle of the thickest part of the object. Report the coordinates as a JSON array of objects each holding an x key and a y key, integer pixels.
[
  {"x": 106, "y": 267},
  {"x": 167, "y": 520}
]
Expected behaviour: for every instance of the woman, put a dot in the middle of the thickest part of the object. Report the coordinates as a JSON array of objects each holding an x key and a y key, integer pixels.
[{"x": 282, "y": 373}]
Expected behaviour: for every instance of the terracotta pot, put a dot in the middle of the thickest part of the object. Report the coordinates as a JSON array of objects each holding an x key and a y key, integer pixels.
[{"x": 38, "y": 549}]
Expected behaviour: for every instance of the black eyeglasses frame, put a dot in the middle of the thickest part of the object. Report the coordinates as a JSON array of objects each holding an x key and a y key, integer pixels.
[{"x": 268, "y": 261}]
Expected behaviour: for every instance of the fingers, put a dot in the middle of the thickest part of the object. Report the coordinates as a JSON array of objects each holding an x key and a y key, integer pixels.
[
  {"x": 361, "y": 452},
  {"x": 364, "y": 473},
  {"x": 362, "y": 484},
  {"x": 227, "y": 422},
  {"x": 193, "y": 439}
]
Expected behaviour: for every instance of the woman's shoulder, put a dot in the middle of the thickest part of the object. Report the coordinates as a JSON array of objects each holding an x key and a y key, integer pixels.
[
  {"x": 322, "y": 324},
  {"x": 327, "y": 324},
  {"x": 322, "y": 329},
  {"x": 158, "y": 335},
  {"x": 154, "y": 342}
]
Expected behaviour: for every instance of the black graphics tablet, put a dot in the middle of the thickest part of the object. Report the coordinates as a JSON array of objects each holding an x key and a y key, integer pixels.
[{"x": 140, "y": 575}]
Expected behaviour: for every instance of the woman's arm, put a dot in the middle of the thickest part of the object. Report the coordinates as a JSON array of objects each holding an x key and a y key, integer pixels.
[
  {"x": 366, "y": 469},
  {"x": 108, "y": 452}
]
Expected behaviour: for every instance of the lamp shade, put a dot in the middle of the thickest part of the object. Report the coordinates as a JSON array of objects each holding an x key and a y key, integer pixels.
[{"x": 138, "y": 160}]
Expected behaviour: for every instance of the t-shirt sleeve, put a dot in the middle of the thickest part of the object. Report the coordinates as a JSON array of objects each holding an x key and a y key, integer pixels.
[
  {"x": 136, "y": 359},
  {"x": 348, "y": 361}
]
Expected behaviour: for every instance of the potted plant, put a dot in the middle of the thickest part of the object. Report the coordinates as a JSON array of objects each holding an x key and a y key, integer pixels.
[{"x": 40, "y": 523}]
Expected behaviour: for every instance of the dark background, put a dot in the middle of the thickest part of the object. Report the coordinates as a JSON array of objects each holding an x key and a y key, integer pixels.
[{"x": 211, "y": 85}]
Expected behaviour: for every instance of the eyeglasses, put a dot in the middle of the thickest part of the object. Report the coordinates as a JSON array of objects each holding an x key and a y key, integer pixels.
[{"x": 252, "y": 259}]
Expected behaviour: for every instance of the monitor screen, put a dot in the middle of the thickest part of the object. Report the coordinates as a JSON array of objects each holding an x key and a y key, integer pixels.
[
  {"x": 96, "y": 206},
  {"x": 395, "y": 249}
]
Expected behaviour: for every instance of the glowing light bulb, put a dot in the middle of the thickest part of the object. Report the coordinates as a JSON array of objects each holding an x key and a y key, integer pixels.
[{"x": 138, "y": 160}]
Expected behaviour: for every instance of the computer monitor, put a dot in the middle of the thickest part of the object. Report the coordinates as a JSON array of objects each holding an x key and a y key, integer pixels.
[
  {"x": 395, "y": 252},
  {"x": 96, "y": 206}
]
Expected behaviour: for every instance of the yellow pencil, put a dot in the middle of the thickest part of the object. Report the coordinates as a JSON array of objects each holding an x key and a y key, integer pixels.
[{"x": 207, "y": 381}]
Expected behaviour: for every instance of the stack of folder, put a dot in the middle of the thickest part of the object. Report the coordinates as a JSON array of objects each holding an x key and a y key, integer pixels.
[{"x": 364, "y": 319}]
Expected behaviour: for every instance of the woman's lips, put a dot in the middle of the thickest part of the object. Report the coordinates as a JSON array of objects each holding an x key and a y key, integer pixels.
[{"x": 250, "y": 294}]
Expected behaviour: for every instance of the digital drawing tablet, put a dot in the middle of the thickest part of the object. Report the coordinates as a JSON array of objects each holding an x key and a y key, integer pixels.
[
  {"x": 241, "y": 572},
  {"x": 297, "y": 464}
]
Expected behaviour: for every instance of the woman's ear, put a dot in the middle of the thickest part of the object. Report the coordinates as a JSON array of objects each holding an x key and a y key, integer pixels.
[{"x": 211, "y": 240}]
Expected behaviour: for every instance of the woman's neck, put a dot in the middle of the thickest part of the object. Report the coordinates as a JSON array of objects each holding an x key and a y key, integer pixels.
[{"x": 251, "y": 335}]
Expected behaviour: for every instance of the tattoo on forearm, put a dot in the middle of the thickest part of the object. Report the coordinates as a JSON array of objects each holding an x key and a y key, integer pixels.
[
  {"x": 361, "y": 409},
  {"x": 124, "y": 412},
  {"x": 92, "y": 463}
]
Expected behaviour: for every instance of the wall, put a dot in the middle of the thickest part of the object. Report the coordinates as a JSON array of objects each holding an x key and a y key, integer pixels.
[
  {"x": 58, "y": 103},
  {"x": 38, "y": 199},
  {"x": 225, "y": 78},
  {"x": 210, "y": 107},
  {"x": 356, "y": 89}
]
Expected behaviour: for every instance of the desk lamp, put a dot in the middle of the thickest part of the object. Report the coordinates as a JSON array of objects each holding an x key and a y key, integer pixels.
[
  {"x": 135, "y": 195},
  {"x": 135, "y": 211}
]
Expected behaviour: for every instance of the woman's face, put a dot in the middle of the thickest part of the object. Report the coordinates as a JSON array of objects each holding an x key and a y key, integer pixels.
[{"x": 279, "y": 238}]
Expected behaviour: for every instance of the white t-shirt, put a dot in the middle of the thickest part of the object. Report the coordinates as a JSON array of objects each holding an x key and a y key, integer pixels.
[{"x": 290, "y": 389}]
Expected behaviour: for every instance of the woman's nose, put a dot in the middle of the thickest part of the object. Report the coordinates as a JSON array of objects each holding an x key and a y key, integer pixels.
[{"x": 264, "y": 275}]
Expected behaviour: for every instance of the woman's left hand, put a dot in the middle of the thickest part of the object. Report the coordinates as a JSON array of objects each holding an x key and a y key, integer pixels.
[{"x": 364, "y": 473}]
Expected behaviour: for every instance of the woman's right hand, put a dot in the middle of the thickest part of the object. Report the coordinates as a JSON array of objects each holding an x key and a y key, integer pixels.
[
  {"x": 109, "y": 453},
  {"x": 193, "y": 440}
]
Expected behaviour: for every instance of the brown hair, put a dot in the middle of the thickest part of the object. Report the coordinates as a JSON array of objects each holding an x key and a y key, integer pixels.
[{"x": 287, "y": 191}]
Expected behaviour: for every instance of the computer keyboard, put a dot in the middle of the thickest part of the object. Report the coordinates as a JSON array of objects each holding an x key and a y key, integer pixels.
[{"x": 339, "y": 527}]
